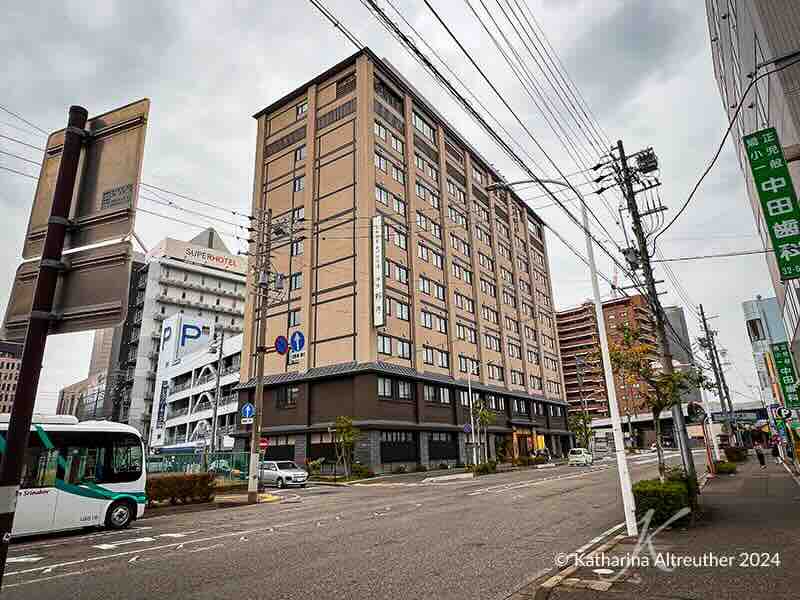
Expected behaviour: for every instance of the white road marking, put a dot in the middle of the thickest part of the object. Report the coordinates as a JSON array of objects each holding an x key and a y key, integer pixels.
[
  {"x": 134, "y": 559},
  {"x": 206, "y": 548},
  {"x": 24, "y": 559},
  {"x": 42, "y": 579},
  {"x": 115, "y": 545},
  {"x": 508, "y": 487},
  {"x": 73, "y": 539}
]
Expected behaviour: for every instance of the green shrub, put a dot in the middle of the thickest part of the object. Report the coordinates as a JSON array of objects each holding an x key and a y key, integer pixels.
[
  {"x": 444, "y": 465},
  {"x": 735, "y": 454},
  {"x": 420, "y": 468},
  {"x": 664, "y": 499},
  {"x": 361, "y": 471},
  {"x": 523, "y": 461},
  {"x": 485, "y": 468},
  {"x": 400, "y": 469},
  {"x": 314, "y": 466},
  {"x": 180, "y": 487},
  {"x": 675, "y": 474},
  {"x": 539, "y": 460},
  {"x": 723, "y": 467}
]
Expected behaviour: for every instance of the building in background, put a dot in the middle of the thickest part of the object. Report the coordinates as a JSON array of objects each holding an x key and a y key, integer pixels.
[
  {"x": 765, "y": 327},
  {"x": 199, "y": 279},
  {"x": 186, "y": 386},
  {"x": 580, "y": 343},
  {"x": 749, "y": 38},
  {"x": 454, "y": 279},
  {"x": 10, "y": 359},
  {"x": 680, "y": 347},
  {"x": 71, "y": 398}
]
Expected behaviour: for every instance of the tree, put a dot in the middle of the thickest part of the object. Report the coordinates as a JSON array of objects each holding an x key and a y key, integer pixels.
[
  {"x": 635, "y": 361},
  {"x": 346, "y": 435},
  {"x": 483, "y": 417},
  {"x": 580, "y": 424}
]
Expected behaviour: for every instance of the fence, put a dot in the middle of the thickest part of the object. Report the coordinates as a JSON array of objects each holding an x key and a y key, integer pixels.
[{"x": 229, "y": 467}]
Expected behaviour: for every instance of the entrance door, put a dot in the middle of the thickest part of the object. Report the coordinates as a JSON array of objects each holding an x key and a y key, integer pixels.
[{"x": 37, "y": 497}]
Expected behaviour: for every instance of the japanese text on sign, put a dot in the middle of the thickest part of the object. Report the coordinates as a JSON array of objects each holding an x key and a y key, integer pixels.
[
  {"x": 778, "y": 198},
  {"x": 784, "y": 367}
]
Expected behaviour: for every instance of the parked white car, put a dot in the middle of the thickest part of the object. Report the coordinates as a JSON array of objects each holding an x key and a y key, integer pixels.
[
  {"x": 282, "y": 473},
  {"x": 580, "y": 457}
]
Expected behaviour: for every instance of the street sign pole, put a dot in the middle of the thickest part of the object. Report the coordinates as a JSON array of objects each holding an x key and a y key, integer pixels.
[{"x": 36, "y": 336}]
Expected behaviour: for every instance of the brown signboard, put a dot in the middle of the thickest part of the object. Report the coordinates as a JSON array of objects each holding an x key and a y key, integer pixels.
[
  {"x": 104, "y": 205},
  {"x": 92, "y": 291}
]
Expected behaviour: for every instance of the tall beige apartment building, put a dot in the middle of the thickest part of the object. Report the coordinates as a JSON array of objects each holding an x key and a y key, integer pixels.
[{"x": 403, "y": 273}]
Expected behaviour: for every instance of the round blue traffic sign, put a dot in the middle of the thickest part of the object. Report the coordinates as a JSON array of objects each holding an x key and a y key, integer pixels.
[
  {"x": 248, "y": 410},
  {"x": 467, "y": 428},
  {"x": 281, "y": 344},
  {"x": 298, "y": 341}
]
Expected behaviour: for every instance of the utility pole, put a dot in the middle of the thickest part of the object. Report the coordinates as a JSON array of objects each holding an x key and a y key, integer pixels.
[
  {"x": 36, "y": 336},
  {"x": 214, "y": 427},
  {"x": 719, "y": 376},
  {"x": 263, "y": 248},
  {"x": 652, "y": 292},
  {"x": 471, "y": 413}
]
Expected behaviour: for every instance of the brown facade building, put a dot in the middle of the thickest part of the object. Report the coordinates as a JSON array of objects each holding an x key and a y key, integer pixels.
[
  {"x": 10, "y": 360},
  {"x": 403, "y": 273},
  {"x": 579, "y": 341}
]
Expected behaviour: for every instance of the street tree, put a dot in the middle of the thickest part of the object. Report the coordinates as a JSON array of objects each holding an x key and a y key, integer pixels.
[
  {"x": 484, "y": 417},
  {"x": 346, "y": 435},
  {"x": 580, "y": 424},
  {"x": 635, "y": 360}
]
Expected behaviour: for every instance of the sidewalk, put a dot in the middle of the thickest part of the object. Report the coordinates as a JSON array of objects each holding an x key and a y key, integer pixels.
[{"x": 754, "y": 511}]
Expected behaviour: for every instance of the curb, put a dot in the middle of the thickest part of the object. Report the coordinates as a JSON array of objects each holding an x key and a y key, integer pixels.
[
  {"x": 448, "y": 477},
  {"x": 563, "y": 577},
  {"x": 547, "y": 466}
]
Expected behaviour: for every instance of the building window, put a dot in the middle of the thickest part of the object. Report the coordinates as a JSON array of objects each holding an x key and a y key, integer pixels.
[
  {"x": 401, "y": 310},
  {"x": 404, "y": 349},
  {"x": 398, "y": 174},
  {"x": 444, "y": 359},
  {"x": 397, "y": 144},
  {"x": 423, "y": 127},
  {"x": 294, "y": 318},
  {"x": 380, "y": 131},
  {"x": 428, "y": 358},
  {"x": 381, "y": 163},
  {"x": 297, "y": 248},
  {"x": 296, "y": 281},
  {"x": 299, "y": 183},
  {"x": 300, "y": 153},
  {"x": 384, "y": 344},
  {"x": 286, "y": 397},
  {"x": 384, "y": 387},
  {"x": 756, "y": 330},
  {"x": 381, "y": 195},
  {"x": 404, "y": 390},
  {"x": 301, "y": 109},
  {"x": 444, "y": 395},
  {"x": 429, "y": 393}
]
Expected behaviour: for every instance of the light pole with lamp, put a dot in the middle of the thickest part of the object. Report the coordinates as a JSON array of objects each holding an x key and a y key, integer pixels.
[{"x": 628, "y": 502}]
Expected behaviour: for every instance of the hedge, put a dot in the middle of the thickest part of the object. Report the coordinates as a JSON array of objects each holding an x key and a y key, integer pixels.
[
  {"x": 723, "y": 467},
  {"x": 664, "y": 499},
  {"x": 180, "y": 487},
  {"x": 735, "y": 454},
  {"x": 484, "y": 468}
]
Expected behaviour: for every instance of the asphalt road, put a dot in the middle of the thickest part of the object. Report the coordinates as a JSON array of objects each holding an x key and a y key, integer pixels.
[{"x": 480, "y": 538}]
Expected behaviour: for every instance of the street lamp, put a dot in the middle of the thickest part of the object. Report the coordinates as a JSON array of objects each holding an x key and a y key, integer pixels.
[{"x": 628, "y": 502}]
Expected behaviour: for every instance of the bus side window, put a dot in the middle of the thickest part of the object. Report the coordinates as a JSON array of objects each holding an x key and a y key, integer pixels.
[{"x": 39, "y": 469}]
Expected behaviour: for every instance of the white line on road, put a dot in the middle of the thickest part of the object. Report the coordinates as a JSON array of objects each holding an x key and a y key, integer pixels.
[
  {"x": 22, "y": 559},
  {"x": 73, "y": 539},
  {"x": 508, "y": 487},
  {"x": 115, "y": 545}
]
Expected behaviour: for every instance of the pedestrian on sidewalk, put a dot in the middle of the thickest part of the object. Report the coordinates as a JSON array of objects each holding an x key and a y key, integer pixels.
[
  {"x": 760, "y": 455},
  {"x": 776, "y": 454}
]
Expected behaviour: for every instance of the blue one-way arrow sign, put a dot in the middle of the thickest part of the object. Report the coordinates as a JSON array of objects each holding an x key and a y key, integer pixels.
[
  {"x": 248, "y": 410},
  {"x": 298, "y": 340}
]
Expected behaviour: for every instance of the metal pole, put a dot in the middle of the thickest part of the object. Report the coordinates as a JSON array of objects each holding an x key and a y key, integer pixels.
[
  {"x": 471, "y": 414},
  {"x": 263, "y": 249},
  {"x": 652, "y": 292},
  {"x": 214, "y": 426},
  {"x": 36, "y": 336},
  {"x": 715, "y": 367},
  {"x": 628, "y": 502}
]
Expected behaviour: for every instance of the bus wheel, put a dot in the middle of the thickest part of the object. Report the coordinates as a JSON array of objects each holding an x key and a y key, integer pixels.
[{"x": 119, "y": 515}]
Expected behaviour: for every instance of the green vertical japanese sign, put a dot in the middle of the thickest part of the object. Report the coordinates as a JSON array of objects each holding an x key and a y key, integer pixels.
[
  {"x": 784, "y": 367},
  {"x": 778, "y": 198}
]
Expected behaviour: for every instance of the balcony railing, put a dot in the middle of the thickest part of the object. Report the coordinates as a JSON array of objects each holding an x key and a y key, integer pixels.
[
  {"x": 178, "y": 412},
  {"x": 179, "y": 387}
]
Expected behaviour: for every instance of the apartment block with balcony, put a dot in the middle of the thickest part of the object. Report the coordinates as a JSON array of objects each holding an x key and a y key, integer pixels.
[
  {"x": 579, "y": 341},
  {"x": 184, "y": 410},
  {"x": 10, "y": 361},
  {"x": 200, "y": 278},
  {"x": 406, "y": 276}
]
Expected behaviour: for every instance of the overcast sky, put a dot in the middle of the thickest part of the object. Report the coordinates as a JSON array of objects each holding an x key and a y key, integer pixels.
[{"x": 644, "y": 68}]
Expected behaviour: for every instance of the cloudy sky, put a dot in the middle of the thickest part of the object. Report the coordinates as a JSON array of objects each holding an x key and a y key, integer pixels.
[{"x": 644, "y": 68}]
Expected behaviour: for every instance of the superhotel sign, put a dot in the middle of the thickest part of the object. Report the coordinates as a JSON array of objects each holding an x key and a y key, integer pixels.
[
  {"x": 378, "y": 315},
  {"x": 778, "y": 198}
]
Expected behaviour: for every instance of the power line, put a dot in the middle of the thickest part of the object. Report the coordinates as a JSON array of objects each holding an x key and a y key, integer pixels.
[
  {"x": 707, "y": 256},
  {"x": 28, "y": 160},
  {"x": 13, "y": 114},
  {"x": 722, "y": 143},
  {"x": 195, "y": 200},
  {"x": 19, "y": 172},
  {"x": 15, "y": 140}
]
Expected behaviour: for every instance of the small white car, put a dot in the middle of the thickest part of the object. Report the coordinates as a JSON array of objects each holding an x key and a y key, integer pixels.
[
  {"x": 580, "y": 457},
  {"x": 282, "y": 473}
]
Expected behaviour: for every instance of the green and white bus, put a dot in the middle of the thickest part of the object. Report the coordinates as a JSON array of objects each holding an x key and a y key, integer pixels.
[{"x": 78, "y": 475}]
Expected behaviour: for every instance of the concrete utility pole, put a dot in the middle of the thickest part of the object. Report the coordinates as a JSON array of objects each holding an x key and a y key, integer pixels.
[
  {"x": 214, "y": 427},
  {"x": 719, "y": 377},
  {"x": 628, "y": 501},
  {"x": 652, "y": 292},
  {"x": 262, "y": 278},
  {"x": 36, "y": 336},
  {"x": 471, "y": 413}
]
